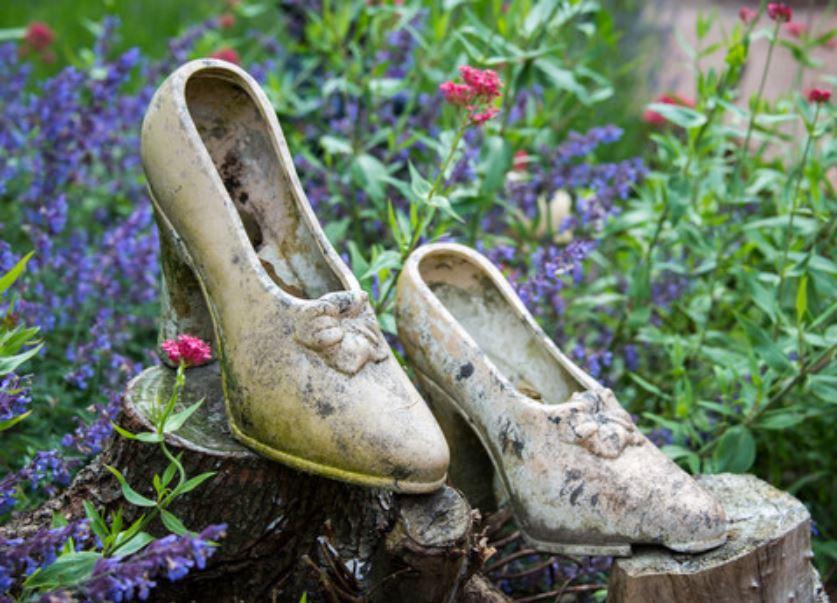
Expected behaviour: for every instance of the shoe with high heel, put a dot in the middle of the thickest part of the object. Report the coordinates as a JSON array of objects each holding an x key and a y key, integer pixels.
[
  {"x": 580, "y": 477},
  {"x": 308, "y": 377}
]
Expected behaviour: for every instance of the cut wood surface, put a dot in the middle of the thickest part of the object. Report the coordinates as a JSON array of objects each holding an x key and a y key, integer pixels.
[
  {"x": 289, "y": 532},
  {"x": 767, "y": 558}
]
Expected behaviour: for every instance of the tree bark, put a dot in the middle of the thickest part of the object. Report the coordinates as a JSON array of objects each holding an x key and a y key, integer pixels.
[
  {"x": 288, "y": 532},
  {"x": 766, "y": 559}
]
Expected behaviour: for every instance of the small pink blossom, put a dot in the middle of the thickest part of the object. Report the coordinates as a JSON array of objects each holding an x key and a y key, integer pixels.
[
  {"x": 747, "y": 14},
  {"x": 476, "y": 95},
  {"x": 795, "y": 29},
  {"x": 39, "y": 36},
  {"x": 226, "y": 21},
  {"x": 226, "y": 54},
  {"x": 819, "y": 95},
  {"x": 521, "y": 158},
  {"x": 484, "y": 116},
  {"x": 460, "y": 95},
  {"x": 192, "y": 351},
  {"x": 652, "y": 117},
  {"x": 484, "y": 82},
  {"x": 779, "y": 11}
]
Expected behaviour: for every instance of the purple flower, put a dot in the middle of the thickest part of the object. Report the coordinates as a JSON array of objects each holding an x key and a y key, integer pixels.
[
  {"x": 20, "y": 557},
  {"x": 116, "y": 579}
]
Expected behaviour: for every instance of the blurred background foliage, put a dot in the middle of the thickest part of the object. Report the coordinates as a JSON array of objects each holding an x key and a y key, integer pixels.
[{"x": 682, "y": 253}]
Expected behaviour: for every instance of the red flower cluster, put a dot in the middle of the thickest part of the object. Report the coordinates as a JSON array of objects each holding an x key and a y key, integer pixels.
[
  {"x": 747, "y": 14},
  {"x": 37, "y": 38},
  {"x": 819, "y": 95},
  {"x": 779, "y": 11},
  {"x": 226, "y": 54},
  {"x": 652, "y": 117},
  {"x": 795, "y": 29},
  {"x": 187, "y": 349},
  {"x": 39, "y": 35},
  {"x": 481, "y": 88}
]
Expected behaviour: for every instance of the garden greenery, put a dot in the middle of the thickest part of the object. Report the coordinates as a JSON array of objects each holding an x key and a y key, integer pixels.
[{"x": 683, "y": 257}]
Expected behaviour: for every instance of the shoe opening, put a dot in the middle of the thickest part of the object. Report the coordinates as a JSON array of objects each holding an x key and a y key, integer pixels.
[
  {"x": 238, "y": 138},
  {"x": 475, "y": 301}
]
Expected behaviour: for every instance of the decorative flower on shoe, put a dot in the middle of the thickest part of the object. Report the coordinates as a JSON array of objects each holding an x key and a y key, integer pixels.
[
  {"x": 343, "y": 330},
  {"x": 595, "y": 420}
]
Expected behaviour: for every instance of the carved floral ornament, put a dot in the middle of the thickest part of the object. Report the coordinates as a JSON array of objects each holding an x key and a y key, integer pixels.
[
  {"x": 343, "y": 330},
  {"x": 593, "y": 419}
]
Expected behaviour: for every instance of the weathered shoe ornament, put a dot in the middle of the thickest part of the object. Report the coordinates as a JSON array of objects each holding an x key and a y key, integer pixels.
[
  {"x": 308, "y": 378},
  {"x": 580, "y": 477}
]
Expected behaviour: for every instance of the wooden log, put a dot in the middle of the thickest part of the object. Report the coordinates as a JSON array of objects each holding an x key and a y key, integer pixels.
[
  {"x": 289, "y": 532},
  {"x": 767, "y": 558}
]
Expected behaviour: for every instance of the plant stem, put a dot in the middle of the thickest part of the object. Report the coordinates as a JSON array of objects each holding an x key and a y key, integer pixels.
[
  {"x": 742, "y": 152},
  {"x": 423, "y": 222},
  {"x": 794, "y": 201}
]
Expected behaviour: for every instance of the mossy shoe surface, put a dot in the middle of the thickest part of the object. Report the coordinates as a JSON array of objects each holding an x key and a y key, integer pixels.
[
  {"x": 580, "y": 477},
  {"x": 309, "y": 379}
]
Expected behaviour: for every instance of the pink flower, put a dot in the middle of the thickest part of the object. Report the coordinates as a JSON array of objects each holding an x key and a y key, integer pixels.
[
  {"x": 226, "y": 54},
  {"x": 187, "y": 349},
  {"x": 652, "y": 117},
  {"x": 779, "y": 11},
  {"x": 460, "y": 95},
  {"x": 226, "y": 21},
  {"x": 483, "y": 116},
  {"x": 521, "y": 158},
  {"x": 38, "y": 36},
  {"x": 480, "y": 90},
  {"x": 795, "y": 29},
  {"x": 819, "y": 95},
  {"x": 485, "y": 83},
  {"x": 747, "y": 14}
]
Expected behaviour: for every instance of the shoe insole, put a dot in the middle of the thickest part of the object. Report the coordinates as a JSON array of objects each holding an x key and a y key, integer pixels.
[
  {"x": 476, "y": 303},
  {"x": 238, "y": 139}
]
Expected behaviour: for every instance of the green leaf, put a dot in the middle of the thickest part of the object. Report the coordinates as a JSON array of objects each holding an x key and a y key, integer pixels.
[
  {"x": 68, "y": 569},
  {"x": 193, "y": 483},
  {"x": 10, "y": 363},
  {"x": 735, "y": 451},
  {"x": 336, "y": 146},
  {"x": 685, "y": 117},
  {"x": 131, "y": 545},
  {"x": 131, "y": 495},
  {"x": 8, "y": 279},
  {"x": 168, "y": 474},
  {"x": 648, "y": 386},
  {"x": 766, "y": 349},
  {"x": 780, "y": 419},
  {"x": 420, "y": 187},
  {"x": 386, "y": 260},
  {"x": 9, "y": 423},
  {"x": 495, "y": 164},
  {"x": 676, "y": 453},
  {"x": 172, "y": 523},
  {"x": 176, "y": 421},
  {"x": 97, "y": 524},
  {"x": 371, "y": 174},
  {"x": 149, "y": 437},
  {"x": 123, "y": 432},
  {"x": 801, "y": 299}
]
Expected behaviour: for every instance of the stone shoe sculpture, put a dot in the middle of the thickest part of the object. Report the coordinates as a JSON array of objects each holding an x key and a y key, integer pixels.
[
  {"x": 581, "y": 478},
  {"x": 308, "y": 378}
]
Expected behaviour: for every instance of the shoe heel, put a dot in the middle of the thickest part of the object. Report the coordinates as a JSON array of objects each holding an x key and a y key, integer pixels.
[
  {"x": 471, "y": 470},
  {"x": 183, "y": 307}
]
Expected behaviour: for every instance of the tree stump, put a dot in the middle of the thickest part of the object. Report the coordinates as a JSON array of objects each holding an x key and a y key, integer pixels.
[
  {"x": 288, "y": 532},
  {"x": 767, "y": 558}
]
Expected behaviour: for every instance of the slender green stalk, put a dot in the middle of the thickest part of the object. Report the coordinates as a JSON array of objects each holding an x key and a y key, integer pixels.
[
  {"x": 423, "y": 222},
  {"x": 742, "y": 152},
  {"x": 795, "y": 201}
]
